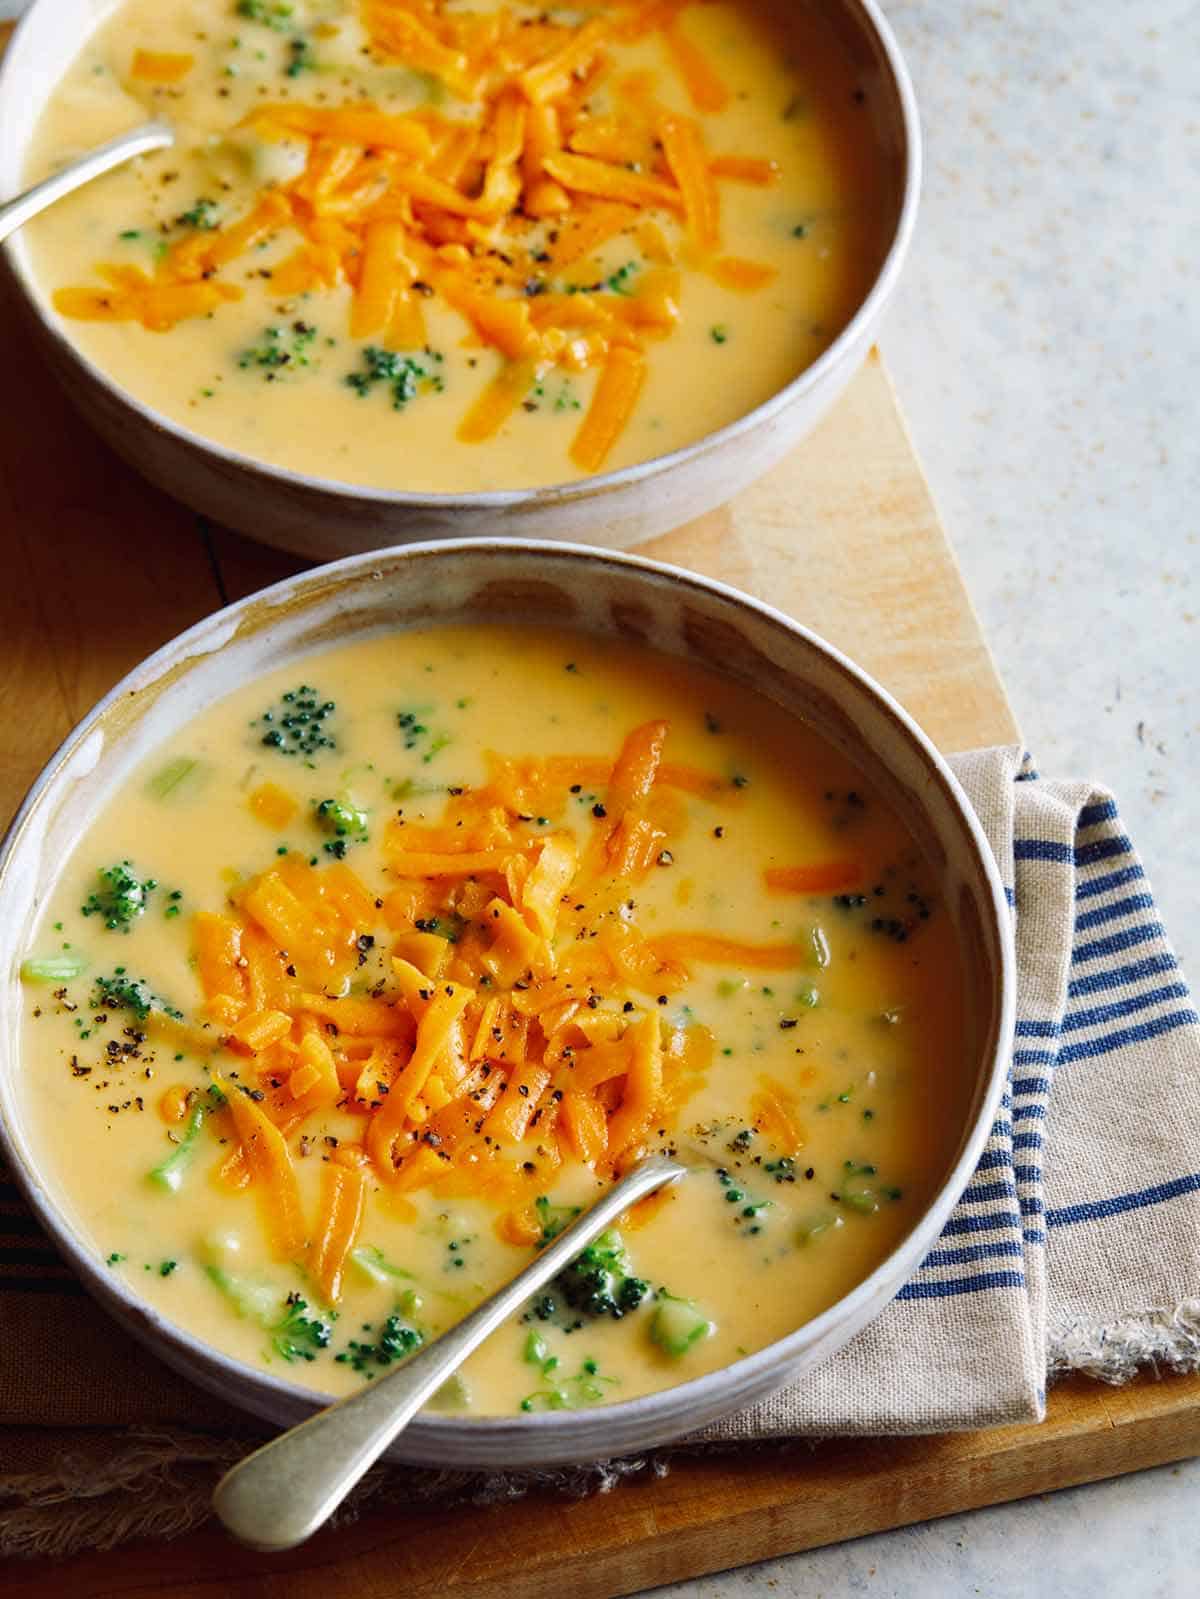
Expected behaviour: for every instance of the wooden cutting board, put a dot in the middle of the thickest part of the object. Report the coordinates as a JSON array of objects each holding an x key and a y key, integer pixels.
[{"x": 99, "y": 569}]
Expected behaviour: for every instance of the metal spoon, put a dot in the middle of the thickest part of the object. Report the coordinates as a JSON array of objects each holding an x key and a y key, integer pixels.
[
  {"x": 278, "y": 1496},
  {"x": 149, "y": 136}
]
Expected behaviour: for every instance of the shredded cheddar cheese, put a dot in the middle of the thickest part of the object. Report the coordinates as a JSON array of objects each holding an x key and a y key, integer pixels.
[
  {"x": 457, "y": 200},
  {"x": 528, "y": 1029}
]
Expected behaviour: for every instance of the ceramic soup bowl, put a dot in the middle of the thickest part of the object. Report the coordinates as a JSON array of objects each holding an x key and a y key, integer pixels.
[
  {"x": 323, "y": 519},
  {"x": 424, "y": 585}
]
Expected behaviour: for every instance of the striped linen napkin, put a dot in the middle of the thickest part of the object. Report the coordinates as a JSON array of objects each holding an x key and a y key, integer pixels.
[{"x": 1076, "y": 1246}]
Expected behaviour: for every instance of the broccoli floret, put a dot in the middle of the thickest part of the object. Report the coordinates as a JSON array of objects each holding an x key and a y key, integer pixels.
[
  {"x": 587, "y": 1387},
  {"x": 121, "y": 897},
  {"x": 170, "y": 1172},
  {"x": 678, "y": 1324},
  {"x": 299, "y": 723},
  {"x": 600, "y": 1281},
  {"x": 202, "y": 216},
  {"x": 345, "y": 822},
  {"x": 295, "y": 1335},
  {"x": 553, "y": 1218},
  {"x": 396, "y": 1341},
  {"x": 277, "y": 15},
  {"x": 122, "y": 992},
  {"x": 404, "y": 376},
  {"x": 298, "y": 1336},
  {"x": 302, "y": 58},
  {"x": 281, "y": 348}
]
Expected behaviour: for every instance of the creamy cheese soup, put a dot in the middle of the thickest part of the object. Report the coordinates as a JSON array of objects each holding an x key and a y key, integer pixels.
[
  {"x": 432, "y": 246},
  {"x": 382, "y": 966}
]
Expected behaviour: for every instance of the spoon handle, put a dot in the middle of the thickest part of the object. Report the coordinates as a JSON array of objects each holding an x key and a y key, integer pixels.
[
  {"x": 278, "y": 1496},
  {"x": 149, "y": 136}
]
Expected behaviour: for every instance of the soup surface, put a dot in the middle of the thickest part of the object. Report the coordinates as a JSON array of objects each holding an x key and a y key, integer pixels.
[
  {"x": 436, "y": 247},
  {"x": 382, "y": 966}
]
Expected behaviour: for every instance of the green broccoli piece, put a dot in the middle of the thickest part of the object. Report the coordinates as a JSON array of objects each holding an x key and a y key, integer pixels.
[
  {"x": 678, "y": 1324},
  {"x": 280, "y": 348},
  {"x": 296, "y": 1335},
  {"x": 403, "y": 376},
  {"x": 588, "y": 1386},
  {"x": 121, "y": 897},
  {"x": 299, "y": 723},
  {"x": 54, "y": 968},
  {"x": 277, "y": 16},
  {"x": 553, "y": 1218},
  {"x": 345, "y": 822},
  {"x": 396, "y": 1341},
  {"x": 600, "y": 1281},
  {"x": 169, "y": 1173},
  {"x": 373, "y": 1263},
  {"x": 202, "y": 216},
  {"x": 122, "y": 992}
]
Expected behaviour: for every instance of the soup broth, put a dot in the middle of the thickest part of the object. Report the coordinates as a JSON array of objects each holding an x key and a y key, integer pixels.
[
  {"x": 382, "y": 966},
  {"x": 450, "y": 249}
]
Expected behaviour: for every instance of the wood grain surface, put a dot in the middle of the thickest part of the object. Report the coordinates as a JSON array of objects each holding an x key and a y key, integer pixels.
[
  {"x": 707, "y": 1514},
  {"x": 99, "y": 569}
]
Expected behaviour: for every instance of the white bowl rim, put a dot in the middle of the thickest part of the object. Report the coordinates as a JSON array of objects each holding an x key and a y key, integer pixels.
[
  {"x": 556, "y": 494},
  {"x": 427, "y": 1430}
]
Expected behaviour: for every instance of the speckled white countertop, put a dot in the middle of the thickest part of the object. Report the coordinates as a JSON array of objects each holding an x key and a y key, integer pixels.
[{"x": 1044, "y": 344}]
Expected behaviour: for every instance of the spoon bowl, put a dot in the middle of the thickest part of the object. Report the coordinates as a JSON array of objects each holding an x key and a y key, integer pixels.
[
  {"x": 138, "y": 141},
  {"x": 279, "y": 1496}
]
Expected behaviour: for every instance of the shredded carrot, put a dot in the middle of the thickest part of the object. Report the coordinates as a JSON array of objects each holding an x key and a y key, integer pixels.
[
  {"x": 821, "y": 877},
  {"x": 232, "y": 1172},
  {"x": 520, "y": 1227}
]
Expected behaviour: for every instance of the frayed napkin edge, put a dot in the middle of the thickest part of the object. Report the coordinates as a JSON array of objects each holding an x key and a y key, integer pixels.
[{"x": 1163, "y": 1339}]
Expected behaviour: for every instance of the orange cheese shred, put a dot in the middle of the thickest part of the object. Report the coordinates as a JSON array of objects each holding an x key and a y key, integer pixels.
[
  {"x": 612, "y": 405},
  {"x": 704, "y": 87},
  {"x": 820, "y": 877},
  {"x": 271, "y": 1173},
  {"x": 743, "y": 277},
  {"x": 160, "y": 66},
  {"x": 343, "y": 1200},
  {"x": 683, "y": 147}
]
